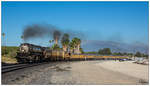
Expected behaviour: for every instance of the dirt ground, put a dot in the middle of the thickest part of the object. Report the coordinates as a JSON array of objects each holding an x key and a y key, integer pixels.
[
  {"x": 74, "y": 73},
  {"x": 128, "y": 68}
]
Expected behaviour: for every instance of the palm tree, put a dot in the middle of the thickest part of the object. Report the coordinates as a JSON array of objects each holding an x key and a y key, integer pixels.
[
  {"x": 72, "y": 45},
  {"x": 22, "y": 37},
  {"x": 81, "y": 50},
  {"x": 65, "y": 42},
  {"x": 3, "y": 34},
  {"x": 50, "y": 41},
  {"x": 77, "y": 43},
  {"x": 55, "y": 47}
]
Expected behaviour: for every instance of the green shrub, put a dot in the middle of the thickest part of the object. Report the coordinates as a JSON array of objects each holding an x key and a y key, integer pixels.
[{"x": 9, "y": 51}]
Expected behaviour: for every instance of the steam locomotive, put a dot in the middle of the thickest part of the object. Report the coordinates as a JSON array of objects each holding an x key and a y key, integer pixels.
[{"x": 29, "y": 53}]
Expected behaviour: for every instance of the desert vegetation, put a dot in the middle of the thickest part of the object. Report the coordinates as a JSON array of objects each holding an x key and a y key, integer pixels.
[{"x": 9, "y": 53}]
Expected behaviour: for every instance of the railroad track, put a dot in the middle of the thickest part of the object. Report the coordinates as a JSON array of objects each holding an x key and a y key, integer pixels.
[{"x": 14, "y": 67}]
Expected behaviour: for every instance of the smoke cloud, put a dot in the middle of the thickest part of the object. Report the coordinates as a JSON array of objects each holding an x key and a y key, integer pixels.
[
  {"x": 56, "y": 36},
  {"x": 47, "y": 30},
  {"x": 65, "y": 37},
  {"x": 39, "y": 31}
]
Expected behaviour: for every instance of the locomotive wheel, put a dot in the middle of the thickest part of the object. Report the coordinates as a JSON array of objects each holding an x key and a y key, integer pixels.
[
  {"x": 19, "y": 61},
  {"x": 53, "y": 59},
  {"x": 24, "y": 61},
  {"x": 40, "y": 60},
  {"x": 36, "y": 59},
  {"x": 64, "y": 59}
]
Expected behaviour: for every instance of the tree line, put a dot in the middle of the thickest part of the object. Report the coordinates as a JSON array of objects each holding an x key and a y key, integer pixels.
[{"x": 107, "y": 51}]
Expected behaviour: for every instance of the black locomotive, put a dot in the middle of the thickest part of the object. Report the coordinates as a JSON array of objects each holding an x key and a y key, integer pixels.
[{"x": 34, "y": 53}]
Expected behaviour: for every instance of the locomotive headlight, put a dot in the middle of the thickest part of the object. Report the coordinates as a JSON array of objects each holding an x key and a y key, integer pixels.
[{"x": 24, "y": 48}]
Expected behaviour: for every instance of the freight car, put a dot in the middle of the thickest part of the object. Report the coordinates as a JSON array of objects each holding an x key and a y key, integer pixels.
[
  {"x": 33, "y": 53},
  {"x": 56, "y": 55}
]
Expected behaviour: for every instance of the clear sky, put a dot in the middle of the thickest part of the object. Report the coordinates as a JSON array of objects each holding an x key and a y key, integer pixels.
[{"x": 111, "y": 21}]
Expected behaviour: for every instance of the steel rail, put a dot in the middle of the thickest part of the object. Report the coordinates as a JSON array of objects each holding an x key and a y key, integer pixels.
[{"x": 9, "y": 68}]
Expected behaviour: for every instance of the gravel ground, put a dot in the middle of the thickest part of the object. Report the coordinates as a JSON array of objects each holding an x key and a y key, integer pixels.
[{"x": 81, "y": 72}]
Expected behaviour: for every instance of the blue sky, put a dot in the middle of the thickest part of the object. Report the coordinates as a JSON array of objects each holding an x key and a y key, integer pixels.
[{"x": 109, "y": 21}]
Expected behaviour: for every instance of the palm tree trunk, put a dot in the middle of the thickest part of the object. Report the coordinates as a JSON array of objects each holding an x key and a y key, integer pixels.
[
  {"x": 65, "y": 48},
  {"x": 78, "y": 47}
]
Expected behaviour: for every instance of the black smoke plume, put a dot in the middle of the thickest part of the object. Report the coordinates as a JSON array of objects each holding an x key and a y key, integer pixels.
[
  {"x": 39, "y": 31},
  {"x": 56, "y": 36},
  {"x": 65, "y": 37},
  {"x": 47, "y": 30}
]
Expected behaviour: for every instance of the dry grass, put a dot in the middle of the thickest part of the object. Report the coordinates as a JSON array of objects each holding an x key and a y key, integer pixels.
[{"x": 8, "y": 60}]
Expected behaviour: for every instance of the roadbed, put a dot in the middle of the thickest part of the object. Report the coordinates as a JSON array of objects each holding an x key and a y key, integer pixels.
[{"x": 76, "y": 73}]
